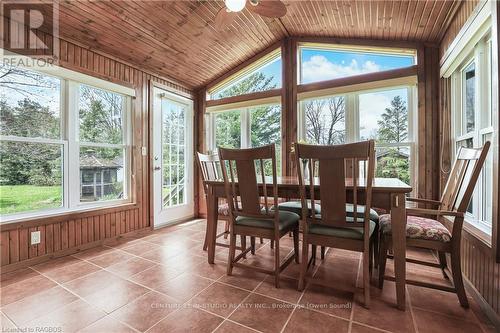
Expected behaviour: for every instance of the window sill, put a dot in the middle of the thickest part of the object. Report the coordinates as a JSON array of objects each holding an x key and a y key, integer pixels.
[
  {"x": 479, "y": 234},
  {"x": 52, "y": 217}
]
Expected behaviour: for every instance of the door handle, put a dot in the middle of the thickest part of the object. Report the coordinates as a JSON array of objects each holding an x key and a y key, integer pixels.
[{"x": 157, "y": 168}]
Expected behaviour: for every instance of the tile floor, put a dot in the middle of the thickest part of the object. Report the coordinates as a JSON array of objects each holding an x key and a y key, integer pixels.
[{"x": 161, "y": 282}]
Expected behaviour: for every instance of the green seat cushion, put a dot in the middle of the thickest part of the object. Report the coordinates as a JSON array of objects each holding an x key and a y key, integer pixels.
[
  {"x": 361, "y": 210},
  {"x": 351, "y": 233},
  {"x": 287, "y": 220},
  {"x": 296, "y": 207}
]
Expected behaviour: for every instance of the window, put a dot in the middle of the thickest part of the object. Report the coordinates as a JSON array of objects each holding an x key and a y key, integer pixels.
[
  {"x": 262, "y": 75},
  {"x": 252, "y": 126},
  {"x": 320, "y": 62},
  {"x": 324, "y": 120},
  {"x": 58, "y": 153},
  {"x": 472, "y": 115},
  {"x": 102, "y": 148},
  {"x": 383, "y": 115}
]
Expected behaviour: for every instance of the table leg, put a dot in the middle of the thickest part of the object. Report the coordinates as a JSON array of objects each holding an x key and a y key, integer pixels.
[
  {"x": 398, "y": 221},
  {"x": 212, "y": 214}
]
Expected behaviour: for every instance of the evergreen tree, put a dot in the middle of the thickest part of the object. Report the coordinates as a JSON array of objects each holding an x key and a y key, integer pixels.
[{"x": 393, "y": 127}]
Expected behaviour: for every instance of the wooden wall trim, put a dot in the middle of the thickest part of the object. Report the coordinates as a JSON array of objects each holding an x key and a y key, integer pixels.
[
  {"x": 243, "y": 98},
  {"x": 359, "y": 79},
  {"x": 50, "y": 219}
]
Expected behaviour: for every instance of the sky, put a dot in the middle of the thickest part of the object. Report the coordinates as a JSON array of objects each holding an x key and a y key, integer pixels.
[{"x": 321, "y": 65}]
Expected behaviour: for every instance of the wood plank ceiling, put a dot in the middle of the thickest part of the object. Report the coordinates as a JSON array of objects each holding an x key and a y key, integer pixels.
[{"x": 177, "y": 39}]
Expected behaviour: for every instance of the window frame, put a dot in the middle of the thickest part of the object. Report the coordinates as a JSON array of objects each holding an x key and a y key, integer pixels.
[
  {"x": 480, "y": 56},
  {"x": 352, "y": 119},
  {"x": 69, "y": 139}
]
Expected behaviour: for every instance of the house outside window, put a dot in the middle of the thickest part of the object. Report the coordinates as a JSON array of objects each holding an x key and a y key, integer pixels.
[{"x": 65, "y": 142}]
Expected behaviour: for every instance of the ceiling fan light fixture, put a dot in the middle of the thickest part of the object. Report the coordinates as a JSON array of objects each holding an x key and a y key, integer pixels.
[{"x": 235, "y": 5}]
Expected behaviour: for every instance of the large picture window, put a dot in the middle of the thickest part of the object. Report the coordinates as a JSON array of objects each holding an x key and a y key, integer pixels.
[
  {"x": 472, "y": 122},
  {"x": 383, "y": 115},
  {"x": 60, "y": 153},
  {"x": 321, "y": 62}
]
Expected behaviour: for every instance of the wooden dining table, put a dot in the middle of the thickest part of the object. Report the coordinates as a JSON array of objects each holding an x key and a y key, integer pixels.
[{"x": 387, "y": 193}]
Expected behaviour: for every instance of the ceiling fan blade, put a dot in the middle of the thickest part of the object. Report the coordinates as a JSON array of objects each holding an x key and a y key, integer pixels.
[
  {"x": 224, "y": 19},
  {"x": 269, "y": 8}
]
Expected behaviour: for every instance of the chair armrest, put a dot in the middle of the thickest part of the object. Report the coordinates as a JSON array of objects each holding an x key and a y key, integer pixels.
[
  {"x": 426, "y": 201},
  {"x": 435, "y": 212}
]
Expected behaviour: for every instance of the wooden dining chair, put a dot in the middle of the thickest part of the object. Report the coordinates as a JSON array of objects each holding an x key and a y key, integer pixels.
[
  {"x": 210, "y": 168},
  {"x": 250, "y": 174},
  {"x": 433, "y": 233},
  {"x": 336, "y": 167}
]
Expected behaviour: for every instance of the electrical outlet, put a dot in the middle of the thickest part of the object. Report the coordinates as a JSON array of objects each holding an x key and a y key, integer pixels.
[
  {"x": 35, "y": 237},
  {"x": 144, "y": 151}
]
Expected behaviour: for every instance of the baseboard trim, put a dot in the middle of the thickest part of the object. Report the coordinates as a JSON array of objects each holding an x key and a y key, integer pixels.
[{"x": 485, "y": 307}]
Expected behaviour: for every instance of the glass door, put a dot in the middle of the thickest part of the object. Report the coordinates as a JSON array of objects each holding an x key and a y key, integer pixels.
[{"x": 172, "y": 158}]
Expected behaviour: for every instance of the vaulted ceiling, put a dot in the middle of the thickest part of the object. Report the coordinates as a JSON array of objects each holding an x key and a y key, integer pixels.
[{"x": 178, "y": 38}]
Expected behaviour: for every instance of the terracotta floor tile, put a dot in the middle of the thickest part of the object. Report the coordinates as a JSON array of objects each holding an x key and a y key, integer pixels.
[
  {"x": 71, "y": 272},
  {"x": 262, "y": 313},
  {"x": 130, "y": 267},
  {"x": 184, "y": 286},
  {"x": 32, "y": 307},
  {"x": 146, "y": 311},
  {"x": 439, "y": 301},
  {"x": 139, "y": 248},
  {"x": 110, "y": 258},
  {"x": 57, "y": 263},
  {"x": 16, "y": 291},
  {"x": 93, "y": 252},
  {"x": 286, "y": 292},
  {"x": 430, "y": 322},
  {"x": 116, "y": 295},
  {"x": 107, "y": 325},
  {"x": 187, "y": 320},
  {"x": 244, "y": 278},
  {"x": 230, "y": 327},
  {"x": 210, "y": 271},
  {"x": 358, "y": 328},
  {"x": 155, "y": 276},
  {"x": 70, "y": 318},
  {"x": 219, "y": 298},
  {"x": 16, "y": 276},
  {"x": 91, "y": 283},
  {"x": 160, "y": 255},
  {"x": 6, "y": 325},
  {"x": 384, "y": 315},
  {"x": 184, "y": 261},
  {"x": 304, "y": 320},
  {"x": 328, "y": 300},
  {"x": 121, "y": 243}
]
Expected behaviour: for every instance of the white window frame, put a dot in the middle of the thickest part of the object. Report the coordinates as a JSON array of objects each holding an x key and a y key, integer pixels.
[
  {"x": 482, "y": 121},
  {"x": 352, "y": 118},
  {"x": 69, "y": 139}
]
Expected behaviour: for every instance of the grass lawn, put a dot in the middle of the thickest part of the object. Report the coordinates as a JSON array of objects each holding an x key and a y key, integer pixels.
[{"x": 23, "y": 198}]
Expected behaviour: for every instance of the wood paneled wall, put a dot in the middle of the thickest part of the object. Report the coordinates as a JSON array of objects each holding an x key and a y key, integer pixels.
[
  {"x": 457, "y": 22},
  {"x": 479, "y": 262},
  {"x": 68, "y": 233}
]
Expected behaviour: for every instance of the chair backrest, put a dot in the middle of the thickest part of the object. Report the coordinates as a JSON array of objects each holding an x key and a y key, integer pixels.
[
  {"x": 243, "y": 171},
  {"x": 463, "y": 178},
  {"x": 335, "y": 168},
  {"x": 210, "y": 168}
]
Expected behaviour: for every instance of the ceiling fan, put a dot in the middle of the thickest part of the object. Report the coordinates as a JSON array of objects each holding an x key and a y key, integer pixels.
[{"x": 266, "y": 8}]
